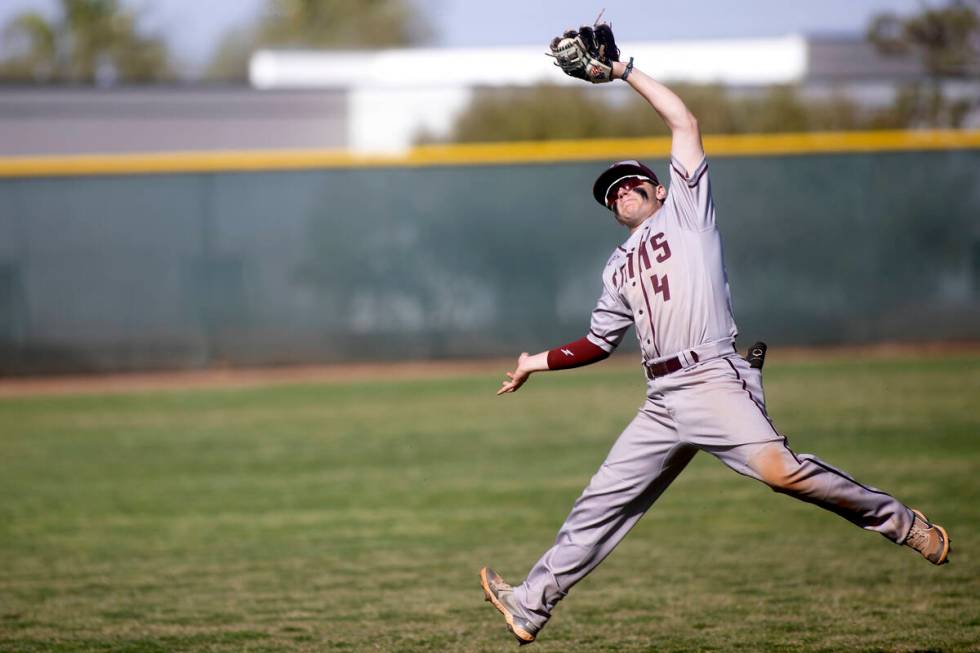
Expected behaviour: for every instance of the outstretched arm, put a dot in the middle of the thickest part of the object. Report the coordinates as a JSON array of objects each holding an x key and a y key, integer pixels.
[
  {"x": 574, "y": 354},
  {"x": 526, "y": 365},
  {"x": 686, "y": 144}
]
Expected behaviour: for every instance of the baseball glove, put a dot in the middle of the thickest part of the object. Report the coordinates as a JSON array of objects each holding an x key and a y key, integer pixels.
[{"x": 587, "y": 53}]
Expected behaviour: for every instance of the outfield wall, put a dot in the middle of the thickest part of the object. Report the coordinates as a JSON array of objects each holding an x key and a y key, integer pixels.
[{"x": 140, "y": 262}]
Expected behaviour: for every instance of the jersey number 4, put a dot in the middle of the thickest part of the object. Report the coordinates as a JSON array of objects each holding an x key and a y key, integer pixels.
[
  {"x": 661, "y": 286},
  {"x": 660, "y": 283}
]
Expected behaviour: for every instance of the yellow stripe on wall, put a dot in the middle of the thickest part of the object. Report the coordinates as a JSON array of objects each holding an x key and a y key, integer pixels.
[{"x": 484, "y": 153}]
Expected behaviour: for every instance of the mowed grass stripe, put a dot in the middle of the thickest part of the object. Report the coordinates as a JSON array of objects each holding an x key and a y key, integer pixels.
[{"x": 354, "y": 517}]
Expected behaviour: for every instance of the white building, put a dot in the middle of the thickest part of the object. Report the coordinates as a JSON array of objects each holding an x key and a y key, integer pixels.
[{"x": 393, "y": 94}]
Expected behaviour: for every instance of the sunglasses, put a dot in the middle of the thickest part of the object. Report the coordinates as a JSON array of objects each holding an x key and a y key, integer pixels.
[{"x": 627, "y": 184}]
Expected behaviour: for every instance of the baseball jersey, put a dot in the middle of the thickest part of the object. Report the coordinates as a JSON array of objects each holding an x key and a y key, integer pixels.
[{"x": 668, "y": 278}]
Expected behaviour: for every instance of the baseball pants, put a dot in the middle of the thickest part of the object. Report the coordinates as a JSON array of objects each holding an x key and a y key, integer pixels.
[{"x": 716, "y": 406}]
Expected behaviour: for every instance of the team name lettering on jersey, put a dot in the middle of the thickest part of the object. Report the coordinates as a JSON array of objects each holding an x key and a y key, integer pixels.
[{"x": 657, "y": 249}]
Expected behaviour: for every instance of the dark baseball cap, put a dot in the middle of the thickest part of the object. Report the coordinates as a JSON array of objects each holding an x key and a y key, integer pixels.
[{"x": 617, "y": 172}]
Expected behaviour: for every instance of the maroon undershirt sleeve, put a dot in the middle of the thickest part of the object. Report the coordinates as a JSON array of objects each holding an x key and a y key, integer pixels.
[{"x": 575, "y": 354}]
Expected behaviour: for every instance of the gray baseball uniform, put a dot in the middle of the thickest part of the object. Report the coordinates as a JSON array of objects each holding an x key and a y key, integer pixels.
[{"x": 668, "y": 280}]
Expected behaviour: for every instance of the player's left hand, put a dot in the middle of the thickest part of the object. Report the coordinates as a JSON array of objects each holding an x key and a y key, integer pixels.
[
  {"x": 517, "y": 377},
  {"x": 587, "y": 53}
]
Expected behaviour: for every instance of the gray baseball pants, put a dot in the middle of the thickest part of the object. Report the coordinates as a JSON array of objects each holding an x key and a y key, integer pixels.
[{"x": 716, "y": 406}]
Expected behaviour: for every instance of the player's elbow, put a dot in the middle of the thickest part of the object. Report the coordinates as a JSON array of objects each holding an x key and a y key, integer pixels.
[{"x": 685, "y": 123}]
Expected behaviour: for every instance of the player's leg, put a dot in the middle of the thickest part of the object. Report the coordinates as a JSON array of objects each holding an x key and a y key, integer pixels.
[
  {"x": 733, "y": 425},
  {"x": 646, "y": 457},
  {"x": 810, "y": 479},
  {"x": 806, "y": 477}
]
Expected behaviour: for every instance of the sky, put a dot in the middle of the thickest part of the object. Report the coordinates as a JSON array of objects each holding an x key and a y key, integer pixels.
[{"x": 194, "y": 28}]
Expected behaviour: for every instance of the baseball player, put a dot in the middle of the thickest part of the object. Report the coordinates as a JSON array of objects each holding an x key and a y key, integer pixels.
[{"x": 668, "y": 280}]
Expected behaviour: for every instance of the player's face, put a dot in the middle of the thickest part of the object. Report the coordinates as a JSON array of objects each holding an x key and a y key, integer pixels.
[{"x": 633, "y": 200}]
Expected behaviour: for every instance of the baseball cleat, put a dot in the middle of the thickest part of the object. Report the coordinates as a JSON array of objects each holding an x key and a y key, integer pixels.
[
  {"x": 931, "y": 540},
  {"x": 501, "y": 595}
]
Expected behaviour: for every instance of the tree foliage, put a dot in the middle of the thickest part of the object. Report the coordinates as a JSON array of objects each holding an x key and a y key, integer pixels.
[
  {"x": 319, "y": 24},
  {"x": 946, "y": 40},
  {"x": 87, "y": 41},
  {"x": 561, "y": 112}
]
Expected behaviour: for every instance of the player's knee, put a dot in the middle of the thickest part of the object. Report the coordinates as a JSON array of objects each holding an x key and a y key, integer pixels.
[{"x": 778, "y": 469}]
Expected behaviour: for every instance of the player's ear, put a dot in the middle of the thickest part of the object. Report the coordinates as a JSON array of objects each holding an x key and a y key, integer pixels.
[{"x": 661, "y": 193}]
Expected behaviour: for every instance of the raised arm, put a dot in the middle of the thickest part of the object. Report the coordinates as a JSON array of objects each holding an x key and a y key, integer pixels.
[{"x": 686, "y": 144}]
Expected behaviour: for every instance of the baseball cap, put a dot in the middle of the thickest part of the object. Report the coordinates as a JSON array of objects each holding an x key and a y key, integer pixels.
[{"x": 618, "y": 171}]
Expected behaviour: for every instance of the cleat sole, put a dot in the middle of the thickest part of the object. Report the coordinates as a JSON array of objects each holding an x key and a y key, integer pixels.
[{"x": 523, "y": 637}]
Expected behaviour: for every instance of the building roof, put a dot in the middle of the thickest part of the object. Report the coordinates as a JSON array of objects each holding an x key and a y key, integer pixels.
[
  {"x": 756, "y": 61},
  {"x": 72, "y": 120}
]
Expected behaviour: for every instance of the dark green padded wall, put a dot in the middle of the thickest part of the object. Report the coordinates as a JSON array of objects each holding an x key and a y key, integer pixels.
[{"x": 156, "y": 271}]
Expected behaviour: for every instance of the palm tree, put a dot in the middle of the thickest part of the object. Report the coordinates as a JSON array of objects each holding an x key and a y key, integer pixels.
[
  {"x": 946, "y": 40},
  {"x": 340, "y": 23},
  {"x": 30, "y": 48},
  {"x": 87, "y": 41}
]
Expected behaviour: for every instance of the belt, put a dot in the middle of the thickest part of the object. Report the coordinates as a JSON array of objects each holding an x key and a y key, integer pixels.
[
  {"x": 663, "y": 368},
  {"x": 688, "y": 357}
]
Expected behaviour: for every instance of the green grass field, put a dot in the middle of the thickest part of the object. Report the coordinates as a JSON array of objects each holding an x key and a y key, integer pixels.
[{"x": 355, "y": 517}]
